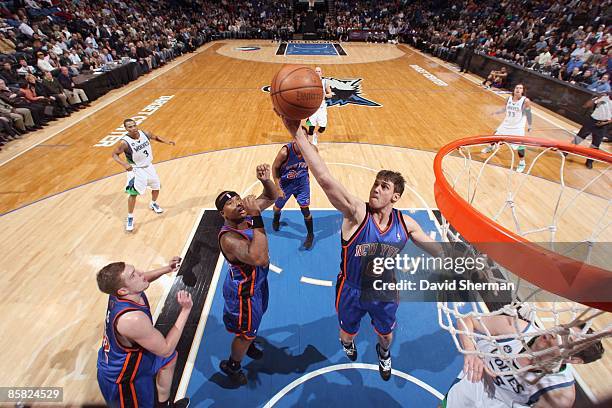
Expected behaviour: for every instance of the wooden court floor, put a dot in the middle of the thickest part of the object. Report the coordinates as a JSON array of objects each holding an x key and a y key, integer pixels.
[{"x": 63, "y": 208}]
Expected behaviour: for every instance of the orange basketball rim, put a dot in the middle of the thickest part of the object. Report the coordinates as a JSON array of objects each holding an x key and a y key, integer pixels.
[{"x": 547, "y": 269}]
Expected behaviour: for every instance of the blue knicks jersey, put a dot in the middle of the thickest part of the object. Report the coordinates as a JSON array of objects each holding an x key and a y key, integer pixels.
[
  {"x": 116, "y": 362},
  {"x": 295, "y": 166},
  {"x": 357, "y": 267},
  {"x": 242, "y": 278}
]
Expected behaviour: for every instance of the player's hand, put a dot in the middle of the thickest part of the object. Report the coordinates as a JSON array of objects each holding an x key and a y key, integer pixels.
[
  {"x": 128, "y": 167},
  {"x": 292, "y": 125},
  {"x": 171, "y": 142},
  {"x": 250, "y": 205},
  {"x": 175, "y": 263},
  {"x": 184, "y": 300},
  {"x": 263, "y": 172},
  {"x": 474, "y": 367},
  {"x": 529, "y": 128}
]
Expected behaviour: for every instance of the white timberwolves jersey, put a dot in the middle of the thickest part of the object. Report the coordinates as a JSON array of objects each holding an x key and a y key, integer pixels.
[
  {"x": 324, "y": 101},
  {"x": 515, "y": 120},
  {"x": 516, "y": 389},
  {"x": 139, "y": 153}
]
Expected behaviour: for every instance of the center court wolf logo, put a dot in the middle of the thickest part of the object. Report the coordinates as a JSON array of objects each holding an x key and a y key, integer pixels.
[{"x": 346, "y": 91}]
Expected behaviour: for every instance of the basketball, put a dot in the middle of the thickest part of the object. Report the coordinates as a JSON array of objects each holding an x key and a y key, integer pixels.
[{"x": 296, "y": 91}]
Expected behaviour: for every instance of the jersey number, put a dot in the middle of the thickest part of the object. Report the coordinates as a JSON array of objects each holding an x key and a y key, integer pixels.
[{"x": 146, "y": 152}]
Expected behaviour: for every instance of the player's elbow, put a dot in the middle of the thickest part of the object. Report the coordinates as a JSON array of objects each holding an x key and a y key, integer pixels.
[{"x": 262, "y": 260}]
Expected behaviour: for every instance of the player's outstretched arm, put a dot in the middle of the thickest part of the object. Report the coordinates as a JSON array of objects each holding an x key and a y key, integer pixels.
[
  {"x": 350, "y": 206},
  {"x": 159, "y": 139},
  {"x": 421, "y": 239},
  {"x": 172, "y": 266},
  {"x": 270, "y": 192},
  {"x": 138, "y": 328}
]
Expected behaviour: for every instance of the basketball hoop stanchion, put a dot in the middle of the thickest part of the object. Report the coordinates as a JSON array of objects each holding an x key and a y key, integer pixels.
[{"x": 588, "y": 285}]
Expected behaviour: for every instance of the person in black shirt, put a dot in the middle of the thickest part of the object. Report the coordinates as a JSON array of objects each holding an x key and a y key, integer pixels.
[{"x": 76, "y": 96}]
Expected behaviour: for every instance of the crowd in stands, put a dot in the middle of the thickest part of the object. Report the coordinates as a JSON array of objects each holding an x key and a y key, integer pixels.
[
  {"x": 567, "y": 39},
  {"x": 44, "y": 44}
]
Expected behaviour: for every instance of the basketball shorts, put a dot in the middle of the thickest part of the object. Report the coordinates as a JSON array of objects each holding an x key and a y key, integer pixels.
[
  {"x": 508, "y": 131},
  {"x": 351, "y": 310},
  {"x": 139, "y": 178},
  {"x": 242, "y": 314},
  {"x": 464, "y": 393},
  {"x": 299, "y": 188},
  {"x": 140, "y": 392},
  {"x": 319, "y": 118}
]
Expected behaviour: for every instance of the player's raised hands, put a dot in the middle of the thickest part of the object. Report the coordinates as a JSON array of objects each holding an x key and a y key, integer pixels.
[
  {"x": 250, "y": 205},
  {"x": 184, "y": 299},
  {"x": 174, "y": 263},
  {"x": 263, "y": 172},
  {"x": 474, "y": 367},
  {"x": 292, "y": 125}
]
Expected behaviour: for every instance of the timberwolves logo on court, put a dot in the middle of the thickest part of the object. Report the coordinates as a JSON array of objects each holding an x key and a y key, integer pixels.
[{"x": 346, "y": 91}]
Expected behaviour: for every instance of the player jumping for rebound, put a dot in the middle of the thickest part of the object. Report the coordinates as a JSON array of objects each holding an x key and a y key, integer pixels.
[
  {"x": 290, "y": 173},
  {"x": 320, "y": 116},
  {"x": 369, "y": 230},
  {"x": 518, "y": 113},
  {"x": 244, "y": 245}
]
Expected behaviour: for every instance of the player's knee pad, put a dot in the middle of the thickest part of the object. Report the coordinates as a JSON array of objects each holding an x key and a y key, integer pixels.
[
  {"x": 305, "y": 211},
  {"x": 321, "y": 129},
  {"x": 311, "y": 130}
]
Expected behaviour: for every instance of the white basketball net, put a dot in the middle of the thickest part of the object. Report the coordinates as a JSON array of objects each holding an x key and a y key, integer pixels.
[{"x": 574, "y": 326}]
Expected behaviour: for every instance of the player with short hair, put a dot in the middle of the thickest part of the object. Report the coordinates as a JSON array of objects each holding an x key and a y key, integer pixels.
[
  {"x": 369, "y": 230},
  {"x": 290, "y": 173},
  {"x": 136, "y": 146},
  {"x": 479, "y": 386},
  {"x": 244, "y": 245},
  {"x": 135, "y": 356},
  {"x": 518, "y": 113},
  {"x": 319, "y": 118}
]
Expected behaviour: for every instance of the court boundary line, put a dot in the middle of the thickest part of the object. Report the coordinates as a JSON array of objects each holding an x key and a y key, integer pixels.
[
  {"x": 108, "y": 103},
  {"x": 199, "y": 334},
  {"x": 347, "y": 366},
  {"x": 162, "y": 299}
]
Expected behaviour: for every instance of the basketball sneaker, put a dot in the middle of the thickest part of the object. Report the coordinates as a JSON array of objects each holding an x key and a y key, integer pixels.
[
  {"x": 487, "y": 149},
  {"x": 182, "y": 403},
  {"x": 351, "y": 351},
  {"x": 129, "y": 224},
  {"x": 236, "y": 375},
  {"x": 521, "y": 167},
  {"x": 384, "y": 364},
  {"x": 155, "y": 207},
  {"x": 308, "y": 242}
]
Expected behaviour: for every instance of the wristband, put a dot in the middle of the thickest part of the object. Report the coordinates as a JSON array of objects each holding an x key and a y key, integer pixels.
[{"x": 257, "y": 222}]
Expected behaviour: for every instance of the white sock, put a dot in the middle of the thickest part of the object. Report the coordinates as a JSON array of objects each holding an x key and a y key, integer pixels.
[
  {"x": 130, "y": 215},
  {"x": 153, "y": 202}
]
